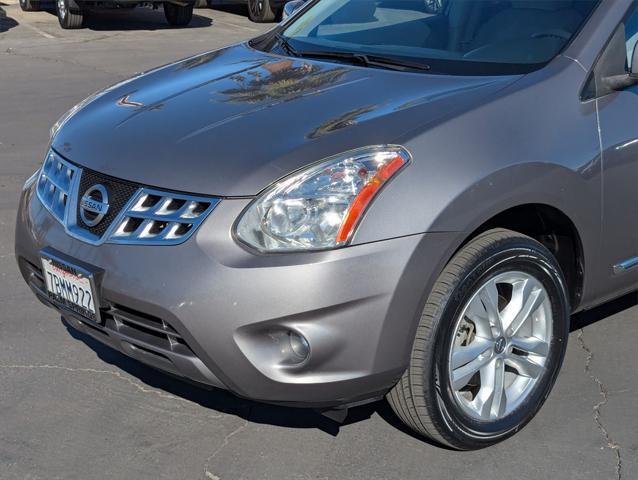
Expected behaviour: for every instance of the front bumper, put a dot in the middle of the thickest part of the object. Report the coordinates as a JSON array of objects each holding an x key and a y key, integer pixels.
[{"x": 208, "y": 310}]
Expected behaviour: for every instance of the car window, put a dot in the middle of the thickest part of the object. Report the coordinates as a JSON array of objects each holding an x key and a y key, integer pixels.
[
  {"x": 631, "y": 32},
  {"x": 455, "y": 36}
]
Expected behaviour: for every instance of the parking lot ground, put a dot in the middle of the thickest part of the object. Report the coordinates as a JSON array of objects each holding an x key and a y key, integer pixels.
[{"x": 72, "y": 409}]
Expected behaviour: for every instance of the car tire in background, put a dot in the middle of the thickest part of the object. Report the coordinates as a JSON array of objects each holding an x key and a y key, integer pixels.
[
  {"x": 30, "y": 5},
  {"x": 482, "y": 365},
  {"x": 68, "y": 18},
  {"x": 260, "y": 11},
  {"x": 178, "y": 15}
]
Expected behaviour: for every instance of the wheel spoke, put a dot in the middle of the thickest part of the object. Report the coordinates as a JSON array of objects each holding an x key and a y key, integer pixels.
[
  {"x": 493, "y": 403},
  {"x": 478, "y": 315},
  {"x": 527, "y": 297},
  {"x": 489, "y": 297},
  {"x": 464, "y": 355},
  {"x": 461, "y": 376},
  {"x": 498, "y": 397},
  {"x": 531, "y": 345},
  {"x": 524, "y": 366}
]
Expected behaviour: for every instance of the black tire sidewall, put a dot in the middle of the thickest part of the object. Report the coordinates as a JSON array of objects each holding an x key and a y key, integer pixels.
[
  {"x": 266, "y": 14},
  {"x": 464, "y": 431},
  {"x": 177, "y": 15}
]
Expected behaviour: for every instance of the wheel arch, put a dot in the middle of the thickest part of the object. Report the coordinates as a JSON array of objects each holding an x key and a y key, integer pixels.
[{"x": 551, "y": 227}]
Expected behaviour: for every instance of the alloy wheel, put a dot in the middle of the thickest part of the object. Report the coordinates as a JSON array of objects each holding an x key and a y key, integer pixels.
[
  {"x": 256, "y": 7},
  {"x": 500, "y": 347}
]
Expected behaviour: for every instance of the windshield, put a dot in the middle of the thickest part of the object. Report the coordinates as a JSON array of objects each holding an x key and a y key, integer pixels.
[{"x": 468, "y": 37}]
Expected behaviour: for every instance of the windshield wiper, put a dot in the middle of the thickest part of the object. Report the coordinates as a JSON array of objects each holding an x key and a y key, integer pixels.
[
  {"x": 285, "y": 44},
  {"x": 366, "y": 60}
]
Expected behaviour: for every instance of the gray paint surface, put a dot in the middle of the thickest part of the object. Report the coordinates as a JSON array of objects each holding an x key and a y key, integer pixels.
[
  {"x": 201, "y": 125},
  {"x": 62, "y": 399},
  {"x": 211, "y": 124}
]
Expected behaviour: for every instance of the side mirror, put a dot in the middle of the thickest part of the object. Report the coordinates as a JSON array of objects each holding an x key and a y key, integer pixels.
[
  {"x": 621, "y": 82},
  {"x": 292, "y": 7}
]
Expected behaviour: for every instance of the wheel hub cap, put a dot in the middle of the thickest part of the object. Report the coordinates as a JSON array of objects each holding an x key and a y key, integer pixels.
[{"x": 500, "y": 346}]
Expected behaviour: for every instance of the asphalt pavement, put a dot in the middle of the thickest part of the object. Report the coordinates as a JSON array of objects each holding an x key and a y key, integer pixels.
[{"x": 72, "y": 409}]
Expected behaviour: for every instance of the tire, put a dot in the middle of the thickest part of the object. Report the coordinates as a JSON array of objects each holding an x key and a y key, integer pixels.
[
  {"x": 30, "y": 5},
  {"x": 68, "y": 19},
  {"x": 260, "y": 11},
  {"x": 428, "y": 401},
  {"x": 178, "y": 15}
]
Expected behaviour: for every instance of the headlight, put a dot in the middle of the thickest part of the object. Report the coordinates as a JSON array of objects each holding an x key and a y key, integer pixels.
[{"x": 320, "y": 207}]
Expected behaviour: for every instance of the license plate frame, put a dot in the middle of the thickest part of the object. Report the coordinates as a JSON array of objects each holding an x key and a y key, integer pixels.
[{"x": 80, "y": 274}]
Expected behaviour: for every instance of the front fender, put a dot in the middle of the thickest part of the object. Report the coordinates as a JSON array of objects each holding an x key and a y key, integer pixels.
[{"x": 534, "y": 143}]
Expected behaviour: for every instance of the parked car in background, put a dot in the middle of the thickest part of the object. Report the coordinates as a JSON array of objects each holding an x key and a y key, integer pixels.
[
  {"x": 262, "y": 11},
  {"x": 367, "y": 201},
  {"x": 71, "y": 12},
  {"x": 259, "y": 11}
]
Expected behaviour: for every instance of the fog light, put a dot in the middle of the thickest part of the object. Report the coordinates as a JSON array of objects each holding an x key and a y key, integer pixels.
[{"x": 299, "y": 346}]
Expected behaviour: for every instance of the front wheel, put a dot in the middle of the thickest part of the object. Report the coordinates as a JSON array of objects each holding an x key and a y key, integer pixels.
[
  {"x": 68, "y": 19},
  {"x": 489, "y": 344},
  {"x": 260, "y": 11},
  {"x": 178, "y": 15}
]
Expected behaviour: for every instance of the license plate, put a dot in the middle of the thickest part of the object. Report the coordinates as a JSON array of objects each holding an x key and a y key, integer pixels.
[{"x": 71, "y": 286}]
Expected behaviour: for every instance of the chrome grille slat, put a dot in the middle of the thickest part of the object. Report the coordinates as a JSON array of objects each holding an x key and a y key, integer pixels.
[
  {"x": 58, "y": 183},
  {"x": 181, "y": 215},
  {"x": 55, "y": 185}
]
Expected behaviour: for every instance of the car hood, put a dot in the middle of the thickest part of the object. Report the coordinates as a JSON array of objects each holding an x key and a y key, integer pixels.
[{"x": 231, "y": 122}]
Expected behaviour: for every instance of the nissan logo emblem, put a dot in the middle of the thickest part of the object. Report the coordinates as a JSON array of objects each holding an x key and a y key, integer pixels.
[{"x": 94, "y": 205}]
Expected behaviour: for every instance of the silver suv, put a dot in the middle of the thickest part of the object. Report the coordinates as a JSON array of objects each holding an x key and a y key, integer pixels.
[{"x": 371, "y": 200}]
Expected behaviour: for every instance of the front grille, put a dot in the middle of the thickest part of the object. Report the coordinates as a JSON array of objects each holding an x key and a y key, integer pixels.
[
  {"x": 119, "y": 191},
  {"x": 157, "y": 217},
  {"x": 136, "y": 214},
  {"x": 55, "y": 184}
]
